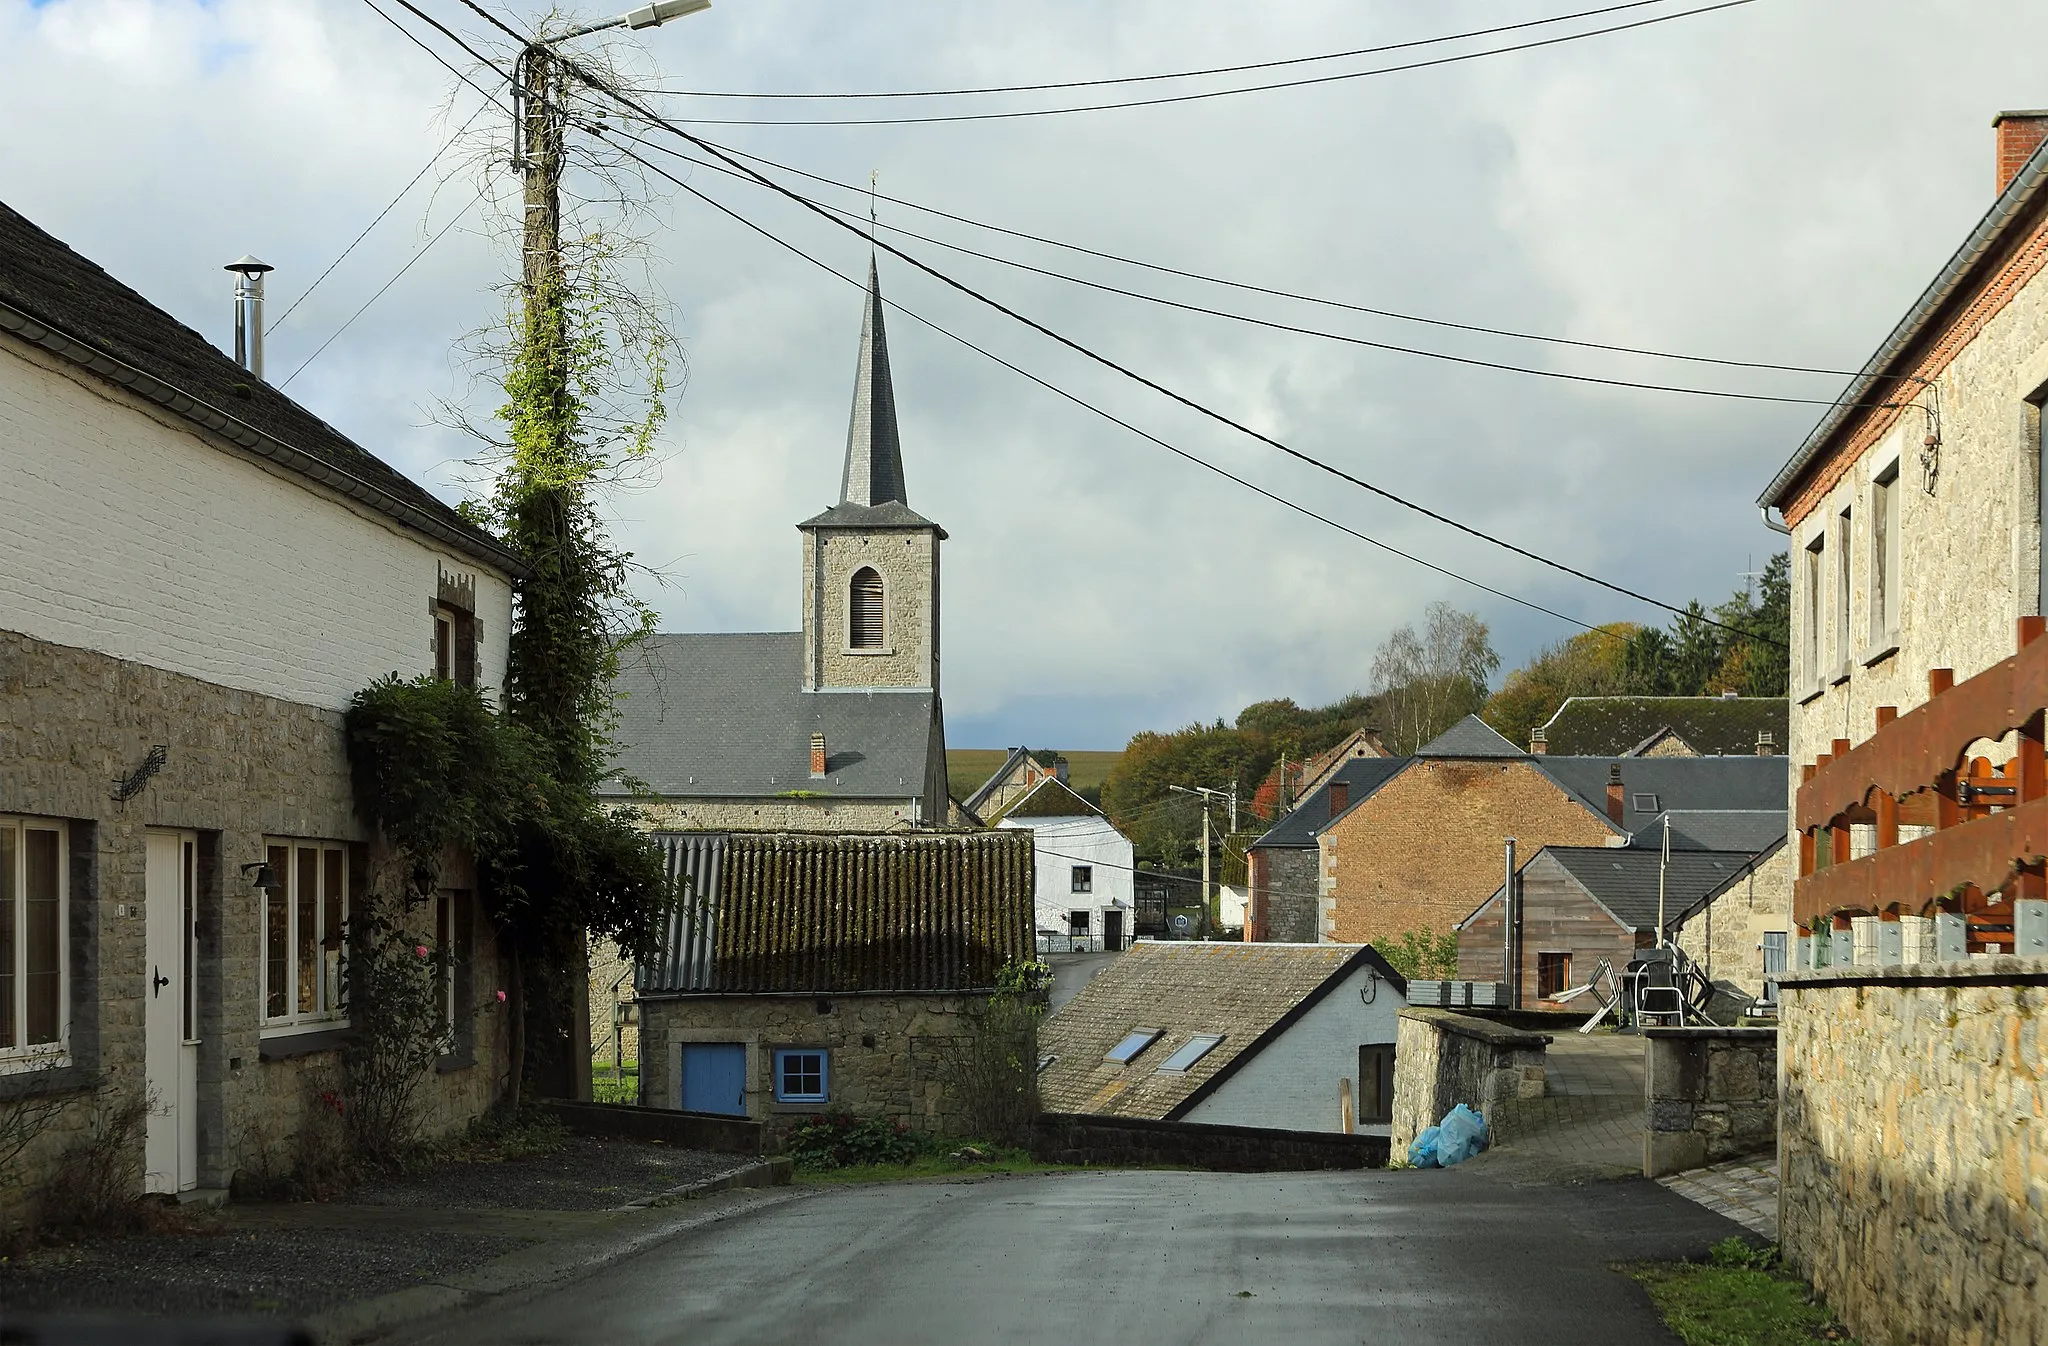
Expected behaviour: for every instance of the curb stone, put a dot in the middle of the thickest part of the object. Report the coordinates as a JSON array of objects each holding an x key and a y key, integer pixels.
[{"x": 636, "y": 1228}]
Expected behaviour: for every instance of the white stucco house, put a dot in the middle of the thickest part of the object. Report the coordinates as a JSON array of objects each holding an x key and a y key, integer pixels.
[{"x": 1083, "y": 898}]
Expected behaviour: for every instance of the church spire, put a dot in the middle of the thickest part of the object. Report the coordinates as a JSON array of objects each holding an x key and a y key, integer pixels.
[{"x": 874, "y": 458}]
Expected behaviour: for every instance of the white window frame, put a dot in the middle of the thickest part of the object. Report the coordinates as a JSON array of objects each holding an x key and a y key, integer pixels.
[
  {"x": 1813, "y": 575},
  {"x": 327, "y": 1012},
  {"x": 1186, "y": 1056},
  {"x": 1884, "y": 546},
  {"x": 1845, "y": 590},
  {"x": 22, "y": 1055}
]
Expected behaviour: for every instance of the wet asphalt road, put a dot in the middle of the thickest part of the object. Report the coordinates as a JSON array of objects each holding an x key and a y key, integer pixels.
[{"x": 1460, "y": 1256}]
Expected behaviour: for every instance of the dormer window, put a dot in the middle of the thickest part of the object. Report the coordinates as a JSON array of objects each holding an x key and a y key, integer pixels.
[{"x": 864, "y": 610}]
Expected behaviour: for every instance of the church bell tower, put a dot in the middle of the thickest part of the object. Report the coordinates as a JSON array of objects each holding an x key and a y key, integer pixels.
[{"x": 871, "y": 563}]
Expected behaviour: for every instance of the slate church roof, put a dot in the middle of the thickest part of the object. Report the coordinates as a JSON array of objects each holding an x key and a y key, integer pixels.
[
  {"x": 1469, "y": 737},
  {"x": 54, "y": 298},
  {"x": 726, "y": 715}
]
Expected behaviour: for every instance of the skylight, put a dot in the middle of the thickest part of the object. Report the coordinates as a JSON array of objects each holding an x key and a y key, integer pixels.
[
  {"x": 1135, "y": 1041},
  {"x": 1191, "y": 1051}
]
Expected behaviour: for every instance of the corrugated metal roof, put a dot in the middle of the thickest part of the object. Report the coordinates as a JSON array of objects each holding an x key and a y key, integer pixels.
[{"x": 780, "y": 913}]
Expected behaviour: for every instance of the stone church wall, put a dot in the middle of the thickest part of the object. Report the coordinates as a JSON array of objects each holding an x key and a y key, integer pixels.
[{"x": 908, "y": 562}]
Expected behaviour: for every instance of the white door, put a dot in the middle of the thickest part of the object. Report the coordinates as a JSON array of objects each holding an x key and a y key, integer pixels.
[{"x": 170, "y": 1047}]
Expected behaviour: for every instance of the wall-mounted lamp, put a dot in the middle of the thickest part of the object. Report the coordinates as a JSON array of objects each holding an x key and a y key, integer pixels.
[{"x": 266, "y": 877}]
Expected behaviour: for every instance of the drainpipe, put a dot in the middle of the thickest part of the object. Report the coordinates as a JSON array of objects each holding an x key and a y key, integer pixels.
[
  {"x": 1508, "y": 970},
  {"x": 1771, "y": 524}
]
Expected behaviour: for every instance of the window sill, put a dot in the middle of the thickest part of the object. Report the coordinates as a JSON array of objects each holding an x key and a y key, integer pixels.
[
  {"x": 1810, "y": 694},
  {"x": 38, "y": 1080},
  {"x": 861, "y": 653},
  {"x": 1880, "y": 653},
  {"x": 795, "y": 1107},
  {"x": 282, "y": 1046},
  {"x": 1839, "y": 676}
]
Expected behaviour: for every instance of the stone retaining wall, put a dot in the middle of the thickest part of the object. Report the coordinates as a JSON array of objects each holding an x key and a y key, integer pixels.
[
  {"x": 671, "y": 1126},
  {"x": 1442, "y": 1059},
  {"x": 1913, "y": 1149},
  {"x": 1123, "y": 1142},
  {"x": 1713, "y": 1095}
]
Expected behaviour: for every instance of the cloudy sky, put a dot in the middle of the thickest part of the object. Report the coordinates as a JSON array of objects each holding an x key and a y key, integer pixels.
[{"x": 1771, "y": 182}]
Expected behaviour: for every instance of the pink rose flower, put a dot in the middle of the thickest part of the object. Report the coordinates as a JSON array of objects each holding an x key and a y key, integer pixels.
[
  {"x": 420, "y": 949},
  {"x": 501, "y": 997}
]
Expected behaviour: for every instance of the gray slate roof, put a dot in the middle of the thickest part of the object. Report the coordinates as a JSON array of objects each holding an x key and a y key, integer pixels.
[
  {"x": 1469, "y": 737},
  {"x": 1760, "y": 784},
  {"x": 1750, "y": 830},
  {"x": 726, "y": 715},
  {"x": 51, "y": 296},
  {"x": 1363, "y": 775},
  {"x": 1625, "y": 880}
]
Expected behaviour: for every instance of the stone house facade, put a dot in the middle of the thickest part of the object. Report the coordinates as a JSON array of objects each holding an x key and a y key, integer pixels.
[
  {"x": 1915, "y": 511},
  {"x": 1283, "y": 868},
  {"x": 808, "y": 973},
  {"x": 199, "y": 576},
  {"x": 837, "y": 727}
]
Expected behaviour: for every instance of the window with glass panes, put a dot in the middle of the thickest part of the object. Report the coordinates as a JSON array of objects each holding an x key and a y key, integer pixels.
[
  {"x": 34, "y": 977},
  {"x": 303, "y": 922}
]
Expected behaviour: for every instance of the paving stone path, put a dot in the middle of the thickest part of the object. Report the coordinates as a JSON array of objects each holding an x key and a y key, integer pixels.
[{"x": 1744, "y": 1190}]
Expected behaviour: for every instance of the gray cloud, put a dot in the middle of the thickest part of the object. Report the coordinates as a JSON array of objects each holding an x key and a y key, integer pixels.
[{"x": 1773, "y": 182}]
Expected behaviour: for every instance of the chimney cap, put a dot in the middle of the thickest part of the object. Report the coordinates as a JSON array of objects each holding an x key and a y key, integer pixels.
[
  {"x": 2021, "y": 114},
  {"x": 248, "y": 265}
]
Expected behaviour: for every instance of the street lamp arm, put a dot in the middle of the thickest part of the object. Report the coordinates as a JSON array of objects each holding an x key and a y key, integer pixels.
[{"x": 643, "y": 16}]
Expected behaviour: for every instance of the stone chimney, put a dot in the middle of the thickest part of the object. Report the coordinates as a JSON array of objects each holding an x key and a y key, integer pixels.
[
  {"x": 1340, "y": 797},
  {"x": 1766, "y": 743},
  {"x": 1615, "y": 798},
  {"x": 2019, "y": 135},
  {"x": 818, "y": 755},
  {"x": 1539, "y": 742}
]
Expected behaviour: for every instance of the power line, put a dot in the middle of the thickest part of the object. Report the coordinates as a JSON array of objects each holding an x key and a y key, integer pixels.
[
  {"x": 1134, "y": 376},
  {"x": 410, "y": 264},
  {"x": 1346, "y": 338},
  {"x": 1174, "y": 74},
  {"x": 1117, "y": 420},
  {"x": 642, "y": 111},
  {"x": 307, "y": 293},
  {"x": 1209, "y": 93},
  {"x": 1265, "y": 289}
]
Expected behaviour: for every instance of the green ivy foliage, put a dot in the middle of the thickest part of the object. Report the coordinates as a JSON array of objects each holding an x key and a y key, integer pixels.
[{"x": 433, "y": 765}]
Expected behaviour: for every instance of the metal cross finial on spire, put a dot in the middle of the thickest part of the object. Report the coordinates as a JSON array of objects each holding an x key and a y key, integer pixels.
[{"x": 874, "y": 177}]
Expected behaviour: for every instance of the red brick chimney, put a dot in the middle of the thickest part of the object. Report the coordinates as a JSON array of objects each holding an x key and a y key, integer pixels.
[
  {"x": 1614, "y": 794},
  {"x": 1340, "y": 797},
  {"x": 2019, "y": 135},
  {"x": 818, "y": 756}
]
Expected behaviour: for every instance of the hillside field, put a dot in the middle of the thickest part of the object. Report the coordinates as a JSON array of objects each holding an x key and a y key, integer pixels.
[{"x": 967, "y": 768}]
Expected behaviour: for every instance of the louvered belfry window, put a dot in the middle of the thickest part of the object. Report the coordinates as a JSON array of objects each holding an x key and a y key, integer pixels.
[{"x": 864, "y": 611}]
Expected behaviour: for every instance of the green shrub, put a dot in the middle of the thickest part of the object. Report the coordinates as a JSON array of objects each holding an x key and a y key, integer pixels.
[{"x": 841, "y": 1140}]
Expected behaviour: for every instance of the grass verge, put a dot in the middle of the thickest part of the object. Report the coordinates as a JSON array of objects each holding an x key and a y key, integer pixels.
[{"x": 1739, "y": 1296}]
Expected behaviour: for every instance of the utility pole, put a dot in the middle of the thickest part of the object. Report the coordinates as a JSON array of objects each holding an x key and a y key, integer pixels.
[{"x": 1209, "y": 907}]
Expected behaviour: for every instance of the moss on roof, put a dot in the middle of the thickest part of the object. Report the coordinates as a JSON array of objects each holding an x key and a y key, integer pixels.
[
  {"x": 1047, "y": 799},
  {"x": 1614, "y": 726}
]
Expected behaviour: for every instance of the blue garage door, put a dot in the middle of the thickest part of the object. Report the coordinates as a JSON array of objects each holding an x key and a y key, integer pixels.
[{"x": 715, "y": 1078}]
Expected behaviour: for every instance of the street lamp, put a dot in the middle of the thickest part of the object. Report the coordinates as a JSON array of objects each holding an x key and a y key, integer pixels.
[{"x": 644, "y": 16}]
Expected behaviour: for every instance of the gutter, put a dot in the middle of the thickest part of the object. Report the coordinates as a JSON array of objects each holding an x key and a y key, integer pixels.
[
  {"x": 1990, "y": 232},
  {"x": 21, "y": 323}
]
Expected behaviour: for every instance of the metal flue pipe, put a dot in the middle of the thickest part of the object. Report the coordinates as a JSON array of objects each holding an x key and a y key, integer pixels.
[{"x": 249, "y": 312}]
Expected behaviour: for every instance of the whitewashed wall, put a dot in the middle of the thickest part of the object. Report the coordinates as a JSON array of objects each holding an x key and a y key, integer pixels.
[
  {"x": 1294, "y": 1083},
  {"x": 128, "y": 534},
  {"x": 1063, "y": 843}
]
